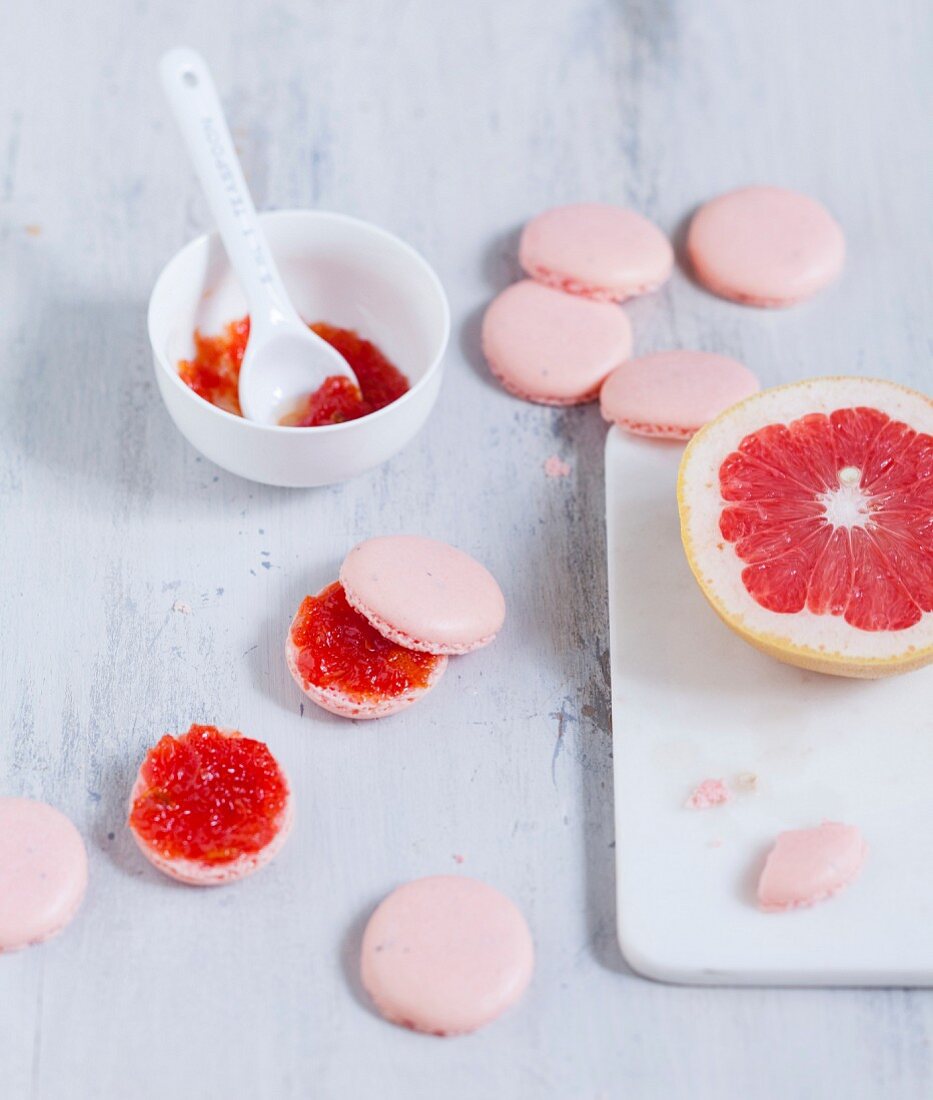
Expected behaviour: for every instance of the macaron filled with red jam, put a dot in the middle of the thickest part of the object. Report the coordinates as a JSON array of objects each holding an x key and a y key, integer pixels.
[
  {"x": 210, "y": 806},
  {"x": 378, "y": 639}
]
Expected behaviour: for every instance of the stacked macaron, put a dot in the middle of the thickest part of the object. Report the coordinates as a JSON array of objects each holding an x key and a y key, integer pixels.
[
  {"x": 759, "y": 246},
  {"x": 559, "y": 337},
  {"x": 379, "y": 638},
  {"x": 554, "y": 337}
]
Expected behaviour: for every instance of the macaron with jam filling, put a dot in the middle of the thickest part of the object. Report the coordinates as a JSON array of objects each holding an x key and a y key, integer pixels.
[
  {"x": 553, "y": 348},
  {"x": 765, "y": 246},
  {"x": 596, "y": 249},
  {"x": 423, "y": 594},
  {"x": 210, "y": 806},
  {"x": 674, "y": 393},
  {"x": 445, "y": 955},
  {"x": 43, "y": 872},
  {"x": 345, "y": 665}
]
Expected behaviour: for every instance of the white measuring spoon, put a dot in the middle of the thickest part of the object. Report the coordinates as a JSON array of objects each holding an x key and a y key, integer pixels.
[{"x": 284, "y": 359}]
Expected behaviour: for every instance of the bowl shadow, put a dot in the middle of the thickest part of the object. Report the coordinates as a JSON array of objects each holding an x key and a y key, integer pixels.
[{"x": 107, "y": 431}]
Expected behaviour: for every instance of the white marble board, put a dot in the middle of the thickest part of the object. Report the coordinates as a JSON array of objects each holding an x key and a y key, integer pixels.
[{"x": 691, "y": 700}]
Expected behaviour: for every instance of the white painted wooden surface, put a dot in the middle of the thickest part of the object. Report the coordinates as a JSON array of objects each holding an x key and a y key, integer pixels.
[{"x": 449, "y": 123}]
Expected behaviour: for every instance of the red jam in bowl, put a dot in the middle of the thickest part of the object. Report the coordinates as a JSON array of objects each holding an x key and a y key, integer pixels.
[{"x": 214, "y": 374}]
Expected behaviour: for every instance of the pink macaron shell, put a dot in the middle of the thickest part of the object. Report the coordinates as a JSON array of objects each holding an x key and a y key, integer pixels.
[
  {"x": 674, "y": 393},
  {"x": 765, "y": 246},
  {"x": 806, "y": 866},
  {"x": 193, "y": 872},
  {"x": 446, "y": 955},
  {"x": 423, "y": 594},
  {"x": 43, "y": 872},
  {"x": 597, "y": 250},
  {"x": 553, "y": 348}
]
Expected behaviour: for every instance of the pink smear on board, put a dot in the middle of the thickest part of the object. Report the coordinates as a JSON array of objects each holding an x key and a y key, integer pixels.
[
  {"x": 711, "y": 792},
  {"x": 556, "y": 467},
  {"x": 458, "y": 858}
]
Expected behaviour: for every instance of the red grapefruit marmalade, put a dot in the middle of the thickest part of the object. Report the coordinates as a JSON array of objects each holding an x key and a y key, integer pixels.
[
  {"x": 338, "y": 648},
  {"x": 214, "y": 374},
  {"x": 209, "y": 797}
]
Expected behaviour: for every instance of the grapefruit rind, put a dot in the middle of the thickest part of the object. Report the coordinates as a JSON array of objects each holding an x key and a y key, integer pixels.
[{"x": 822, "y": 643}]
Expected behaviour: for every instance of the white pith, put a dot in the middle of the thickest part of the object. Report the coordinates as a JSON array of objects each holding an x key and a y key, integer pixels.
[
  {"x": 846, "y": 505},
  {"x": 718, "y": 566}
]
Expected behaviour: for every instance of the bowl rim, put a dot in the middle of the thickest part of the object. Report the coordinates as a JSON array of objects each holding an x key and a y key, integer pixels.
[{"x": 204, "y": 239}]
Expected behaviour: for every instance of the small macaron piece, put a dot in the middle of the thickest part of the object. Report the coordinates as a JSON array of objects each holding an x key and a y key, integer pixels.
[
  {"x": 674, "y": 393},
  {"x": 806, "y": 866},
  {"x": 553, "y": 348},
  {"x": 43, "y": 872},
  {"x": 345, "y": 665},
  {"x": 210, "y": 806},
  {"x": 446, "y": 955},
  {"x": 596, "y": 249},
  {"x": 765, "y": 246},
  {"x": 423, "y": 594}
]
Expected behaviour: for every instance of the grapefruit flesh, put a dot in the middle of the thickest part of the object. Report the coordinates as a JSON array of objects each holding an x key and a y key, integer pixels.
[{"x": 807, "y": 517}]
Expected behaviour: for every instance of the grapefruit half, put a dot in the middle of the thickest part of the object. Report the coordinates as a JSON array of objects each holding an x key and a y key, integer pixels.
[{"x": 806, "y": 514}]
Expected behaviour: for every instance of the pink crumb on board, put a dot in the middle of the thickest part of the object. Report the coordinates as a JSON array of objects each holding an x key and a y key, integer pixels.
[
  {"x": 458, "y": 858},
  {"x": 809, "y": 865},
  {"x": 709, "y": 793},
  {"x": 556, "y": 467}
]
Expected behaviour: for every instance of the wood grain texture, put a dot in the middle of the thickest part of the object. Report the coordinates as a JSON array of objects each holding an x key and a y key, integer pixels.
[{"x": 449, "y": 123}]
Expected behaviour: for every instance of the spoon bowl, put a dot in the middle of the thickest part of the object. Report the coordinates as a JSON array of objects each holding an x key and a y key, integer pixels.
[{"x": 281, "y": 366}]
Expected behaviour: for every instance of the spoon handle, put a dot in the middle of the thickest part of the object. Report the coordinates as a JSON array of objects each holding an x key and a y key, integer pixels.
[{"x": 198, "y": 112}]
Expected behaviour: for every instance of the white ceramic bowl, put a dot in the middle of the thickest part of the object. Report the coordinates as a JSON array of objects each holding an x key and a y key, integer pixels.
[{"x": 337, "y": 269}]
